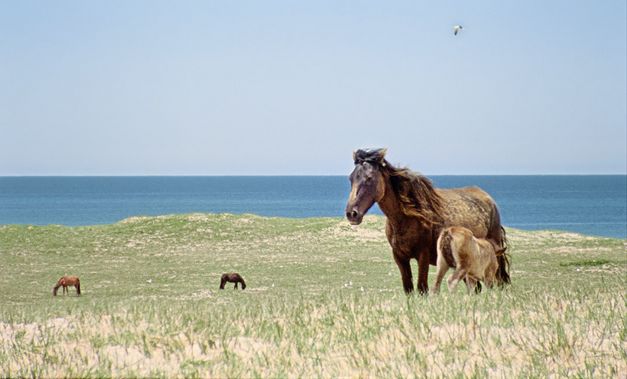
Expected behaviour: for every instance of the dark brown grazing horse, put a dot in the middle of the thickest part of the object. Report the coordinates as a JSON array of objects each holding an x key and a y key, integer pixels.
[
  {"x": 232, "y": 277},
  {"x": 416, "y": 213},
  {"x": 66, "y": 281}
]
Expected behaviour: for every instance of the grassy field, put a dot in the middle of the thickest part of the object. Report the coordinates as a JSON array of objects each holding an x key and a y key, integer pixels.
[{"x": 323, "y": 299}]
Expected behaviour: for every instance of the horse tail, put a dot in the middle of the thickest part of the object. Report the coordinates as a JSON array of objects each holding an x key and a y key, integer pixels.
[
  {"x": 503, "y": 258},
  {"x": 444, "y": 247},
  {"x": 78, "y": 286}
]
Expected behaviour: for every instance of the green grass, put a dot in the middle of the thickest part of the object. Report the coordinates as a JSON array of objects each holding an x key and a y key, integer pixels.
[{"x": 323, "y": 299}]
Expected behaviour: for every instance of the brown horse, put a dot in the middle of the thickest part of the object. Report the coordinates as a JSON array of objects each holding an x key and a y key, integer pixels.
[
  {"x": 473, "y": 258},
  {"x": 232, "y": 277},
  {"x": 416, "y": 213},
  {"x": 66, "y": 281}
]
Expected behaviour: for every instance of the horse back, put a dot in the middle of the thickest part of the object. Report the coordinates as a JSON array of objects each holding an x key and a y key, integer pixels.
[
  {"x": 232, "y": 277},
  {"x": 71, "y": 280}
]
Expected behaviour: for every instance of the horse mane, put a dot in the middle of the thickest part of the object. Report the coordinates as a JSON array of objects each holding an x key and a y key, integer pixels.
[{"x": 417, "y": 196}]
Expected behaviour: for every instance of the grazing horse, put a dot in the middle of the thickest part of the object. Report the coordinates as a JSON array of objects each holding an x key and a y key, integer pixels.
[
  {"x": 232, "y": 277},
  {"x": 473, "y": 258},
  {"x": 416, "y": 212},
  {"x": 66, "y": 281}
]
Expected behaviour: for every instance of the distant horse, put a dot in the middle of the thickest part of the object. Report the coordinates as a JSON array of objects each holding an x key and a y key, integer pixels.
[
  {"x": 66, "y": 281},
  {"x": 232, "y": 277},
  {"x": 474, "y": 259},
  {"x": 416, "y": 213}
]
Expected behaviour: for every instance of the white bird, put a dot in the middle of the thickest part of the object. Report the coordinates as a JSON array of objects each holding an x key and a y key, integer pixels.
[{"x": 457, "y": 28}]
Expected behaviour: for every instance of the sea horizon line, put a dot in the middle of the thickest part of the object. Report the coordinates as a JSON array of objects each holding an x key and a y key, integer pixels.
[{"x": 278, "y": 175}]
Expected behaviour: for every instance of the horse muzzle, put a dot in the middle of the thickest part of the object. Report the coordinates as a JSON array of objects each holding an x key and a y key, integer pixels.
[{"x": 354, "y": 216}]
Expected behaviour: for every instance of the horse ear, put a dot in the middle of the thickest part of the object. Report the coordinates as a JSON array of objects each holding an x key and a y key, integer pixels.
[{"x": 380, "y": 154}]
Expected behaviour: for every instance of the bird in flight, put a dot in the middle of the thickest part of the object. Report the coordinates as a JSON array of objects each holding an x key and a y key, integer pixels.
[{"x": 457, "y": 28}]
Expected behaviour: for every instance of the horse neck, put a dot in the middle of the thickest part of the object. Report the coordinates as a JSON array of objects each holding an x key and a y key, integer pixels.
[{"x": 390, "y": 204}]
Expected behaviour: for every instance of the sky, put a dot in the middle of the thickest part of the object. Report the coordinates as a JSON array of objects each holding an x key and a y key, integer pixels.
[{"x": 292, "y": 88}]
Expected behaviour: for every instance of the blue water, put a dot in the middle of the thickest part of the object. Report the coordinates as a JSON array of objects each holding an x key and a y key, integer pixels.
[{"x": 595, "y": 205}]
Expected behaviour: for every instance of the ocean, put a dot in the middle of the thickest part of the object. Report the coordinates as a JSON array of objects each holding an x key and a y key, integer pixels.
[{"x": 595, "y": 205}]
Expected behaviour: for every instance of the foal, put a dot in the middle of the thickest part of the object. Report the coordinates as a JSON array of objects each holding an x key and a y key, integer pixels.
[
  {"x": 232, "y": 277},
  {"x": 66, "y": 281},
  {"x": 473, "y": 258}
]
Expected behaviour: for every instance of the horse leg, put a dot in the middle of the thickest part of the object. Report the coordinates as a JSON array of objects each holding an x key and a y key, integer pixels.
[
  {"x": 477, "y": 285},
  {"x": 471, "y": 283},
  {"x": 455, "y": 278},
  {"x": 442, "y": 269},
  {"x": 490, "y": 277},
  {"x": 423, "y": 272},
  {"x": 489, "y": 282},
  {"x": 405, "y": 268},
  {"x": 235, "y": 286}
]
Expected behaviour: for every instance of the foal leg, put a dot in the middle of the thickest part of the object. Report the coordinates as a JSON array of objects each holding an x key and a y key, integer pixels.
[
  {"x": 455, "y": 278},
  {"x": 490, "y": 278},
  {"x": 489, "y": 282},
  {"x": 471, "y": 283},
  {"x": 490, "y": 274},
  {"x": 442, "y": 269},
  {"x": 477, "y": 286}
]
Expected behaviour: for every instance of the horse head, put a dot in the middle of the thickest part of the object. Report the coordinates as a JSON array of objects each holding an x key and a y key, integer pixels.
[{"x": 367, "y": 183}]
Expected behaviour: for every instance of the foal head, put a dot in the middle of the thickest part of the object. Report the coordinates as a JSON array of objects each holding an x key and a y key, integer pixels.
[{"x": 367, "y": 183}]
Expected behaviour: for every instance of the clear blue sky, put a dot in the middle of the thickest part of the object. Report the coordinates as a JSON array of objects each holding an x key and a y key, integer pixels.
[{"x": 265, "y": 87}]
